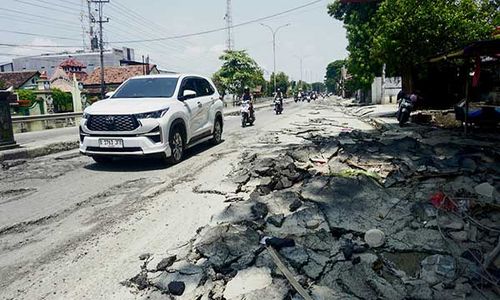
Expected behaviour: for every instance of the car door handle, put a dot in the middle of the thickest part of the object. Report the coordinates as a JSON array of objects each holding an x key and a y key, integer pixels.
[{"x": 199, "y": 104}]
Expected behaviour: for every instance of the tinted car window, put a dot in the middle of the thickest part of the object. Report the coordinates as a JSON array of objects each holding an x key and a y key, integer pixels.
[
  {"x": 204, "y": 87},
  {"x": 147, "y": 87},
  {"x": 189, "y": 84}
]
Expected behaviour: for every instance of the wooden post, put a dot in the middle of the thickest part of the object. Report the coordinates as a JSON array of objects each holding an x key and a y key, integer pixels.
[{"x": 466, "y": 108}]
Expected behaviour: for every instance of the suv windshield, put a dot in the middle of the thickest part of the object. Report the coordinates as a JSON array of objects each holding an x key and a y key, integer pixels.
[{"x": 147, "y": 87}]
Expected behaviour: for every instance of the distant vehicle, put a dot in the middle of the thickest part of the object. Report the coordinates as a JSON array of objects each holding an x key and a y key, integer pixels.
[
  {"x": 247, "y": 116},
  {"x": 278, "y": 106},
  {"x": 153, "y": 115}
]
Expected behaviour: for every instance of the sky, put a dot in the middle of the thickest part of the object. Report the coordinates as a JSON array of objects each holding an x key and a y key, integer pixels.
[{"x": 60, "y": 25}]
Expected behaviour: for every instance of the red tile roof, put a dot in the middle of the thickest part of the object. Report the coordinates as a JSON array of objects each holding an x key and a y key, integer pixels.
[
  {"x": 16, "y": 79},
  {"x": 115, "y": 75},
  {"x": 72, "y": 62}
]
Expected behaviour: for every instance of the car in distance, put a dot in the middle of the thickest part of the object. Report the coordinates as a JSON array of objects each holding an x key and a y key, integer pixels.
[{"x": 153, "y": 115}]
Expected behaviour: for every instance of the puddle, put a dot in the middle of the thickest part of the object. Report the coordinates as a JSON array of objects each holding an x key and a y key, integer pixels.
[{"x": 409, "y": 262}]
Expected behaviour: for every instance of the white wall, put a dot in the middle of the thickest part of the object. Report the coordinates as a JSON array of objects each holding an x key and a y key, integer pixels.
[{"x": 392, "y": 87}]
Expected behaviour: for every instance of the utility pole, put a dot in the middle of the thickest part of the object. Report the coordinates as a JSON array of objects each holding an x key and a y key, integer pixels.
[
  {"x": 229, "y": 26},
  {"x": 274, "y": 31},
  {"x": 100, "y": 4},
  {"x": 301, "y": 59}
]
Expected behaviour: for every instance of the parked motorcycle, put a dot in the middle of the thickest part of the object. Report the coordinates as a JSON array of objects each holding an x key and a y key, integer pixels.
[
  {"x": 405, "y": 109},
  {"x": 247, "y": 116},
  {"x": 278, "y": 106}
]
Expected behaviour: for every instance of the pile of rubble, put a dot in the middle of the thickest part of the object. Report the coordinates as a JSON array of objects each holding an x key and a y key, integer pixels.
[{"x": 370, "y": 216}]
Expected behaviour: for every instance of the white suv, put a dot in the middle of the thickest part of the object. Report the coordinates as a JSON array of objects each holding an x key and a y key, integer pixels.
[{"x": 157, "y": 114}]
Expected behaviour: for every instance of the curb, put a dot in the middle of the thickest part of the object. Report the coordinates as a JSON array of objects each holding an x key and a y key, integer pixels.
[{"x": 25, "y": 153}]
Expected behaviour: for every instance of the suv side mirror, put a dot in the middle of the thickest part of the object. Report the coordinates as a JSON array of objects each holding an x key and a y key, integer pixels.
[
  {"x": 188, "y": 94},
  {"x": 109, "y": 94}
]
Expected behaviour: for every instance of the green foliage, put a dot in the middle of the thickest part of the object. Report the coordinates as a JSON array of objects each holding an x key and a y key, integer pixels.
[
  {"x": 319, "y": 87},
  {"x": 405, "y": 33},
  {"x": 282, "y": 83},
  {"x": 27, "y": 95},
  {"x": 304, "y": 86},
  {"x": 333, "y": 74},
  {"x": 410, "y": 31},
  {"x": 62, "y": 101},
  {"x": 238, "y": 71},
  {"x": 361, "y": 26},
  {"x": 2, "y": 85}
]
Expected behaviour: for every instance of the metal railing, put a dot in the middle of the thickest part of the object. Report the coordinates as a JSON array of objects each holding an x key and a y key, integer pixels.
[
  {"x": 58, "y": 116},
  {"x": 43, "y": 122}
]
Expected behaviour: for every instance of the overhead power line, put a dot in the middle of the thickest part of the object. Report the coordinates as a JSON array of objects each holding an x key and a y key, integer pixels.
[
  {"x": 177, "y": 36},
  {"x": 39, "y": 46},
  {"x": 39, "y": 35},
  {"x": 44, "y": 7},
  {"x": 222, "y": 28}
]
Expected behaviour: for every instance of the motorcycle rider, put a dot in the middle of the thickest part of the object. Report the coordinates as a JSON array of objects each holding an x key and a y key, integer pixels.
[
  {"x": 279, "y": 96},
  {"x": 247, "y": 96}
]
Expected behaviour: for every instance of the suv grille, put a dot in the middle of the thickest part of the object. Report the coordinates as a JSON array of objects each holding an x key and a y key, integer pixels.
[{"x": 112, "y": 123}]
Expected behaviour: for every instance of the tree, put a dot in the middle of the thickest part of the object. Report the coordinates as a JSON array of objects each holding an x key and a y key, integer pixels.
[
  {"x": 411, "y": 31},
  {"x": 62, "y": 101},
  {"x": 359, "y": 22},
  {"x": 333, "y": 75},
  {"x": 282, "y": 83},
  {"x": 238, "y": 71},
  {"x": 27, "y": 95},
  {"x": 405, "y": 33},
  {"x": 318, "y": 87}
]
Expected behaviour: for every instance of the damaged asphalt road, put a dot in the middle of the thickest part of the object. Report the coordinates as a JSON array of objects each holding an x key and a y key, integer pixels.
[{"x": 400, "y": 214}]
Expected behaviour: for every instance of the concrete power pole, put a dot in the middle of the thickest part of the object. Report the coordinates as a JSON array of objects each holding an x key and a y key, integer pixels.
[
  {"x": 100, "y": 4},
  {"x": 229, "y": 26}
]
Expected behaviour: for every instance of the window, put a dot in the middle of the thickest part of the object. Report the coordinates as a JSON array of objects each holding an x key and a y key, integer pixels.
[
  {"x": 204, "y": 87},
  {"x": 147, "y": 87},
  {"x": 188, "y": 84}
]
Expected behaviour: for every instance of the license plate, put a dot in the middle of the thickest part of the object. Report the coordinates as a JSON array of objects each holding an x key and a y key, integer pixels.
[{"x": 110, "y": 143}]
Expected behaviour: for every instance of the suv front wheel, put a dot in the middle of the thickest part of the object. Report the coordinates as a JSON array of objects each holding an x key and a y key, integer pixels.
[
  {"x": 176, "y": 142},
  {"x": 217, "y": 135}
]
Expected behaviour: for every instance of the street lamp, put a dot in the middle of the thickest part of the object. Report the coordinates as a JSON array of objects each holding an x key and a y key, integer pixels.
[{"x": 274, "y": 31}]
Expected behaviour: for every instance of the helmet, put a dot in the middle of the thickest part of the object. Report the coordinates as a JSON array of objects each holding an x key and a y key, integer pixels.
[{"x": 247, "y": 89}]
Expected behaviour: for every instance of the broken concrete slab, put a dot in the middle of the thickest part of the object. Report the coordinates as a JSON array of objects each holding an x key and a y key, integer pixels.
[
  {"x": 485, "y": 189},
  {"x": 247, "y": 281},
  {"x": 227, "y": 246},
  {"x": 296, "y": 223},
  {"x": 438, "y": 268}
]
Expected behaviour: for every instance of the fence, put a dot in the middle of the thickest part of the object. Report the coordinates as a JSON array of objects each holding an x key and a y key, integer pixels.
[{"x": 43, "y": 122}]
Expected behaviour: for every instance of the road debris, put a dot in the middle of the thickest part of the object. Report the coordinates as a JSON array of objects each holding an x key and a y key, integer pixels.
[{"x": 372, "y": 215}]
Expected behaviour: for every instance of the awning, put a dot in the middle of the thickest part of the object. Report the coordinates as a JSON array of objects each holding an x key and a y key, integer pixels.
[{"x": 480, "y": 48}]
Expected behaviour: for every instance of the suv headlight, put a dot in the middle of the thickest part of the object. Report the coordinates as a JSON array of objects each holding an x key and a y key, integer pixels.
[{"x": 152, "y": 115}]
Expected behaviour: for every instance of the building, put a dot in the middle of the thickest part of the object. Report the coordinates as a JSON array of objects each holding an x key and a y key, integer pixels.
[
  {"x": 385, "y": 90},
  {"x": 67, "y": 72},
  {"x": 24, "y": 80},
  {"x": 51, "y": 62},
  {"x": 6, "y": 67},
  {"x": 113, "y": 77}
]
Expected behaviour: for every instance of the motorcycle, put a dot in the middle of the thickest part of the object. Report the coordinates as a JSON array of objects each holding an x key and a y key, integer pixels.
[
  {"x": 404, "y": 110},
  {"x": 278, "y": 106},
  {"x": 247, "y": 117}
]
